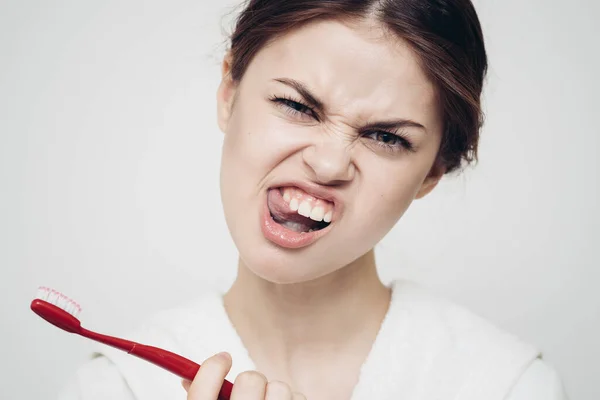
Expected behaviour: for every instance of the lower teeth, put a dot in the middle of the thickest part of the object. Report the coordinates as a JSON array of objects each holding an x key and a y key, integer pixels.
[{"x": 295, "y": 226}]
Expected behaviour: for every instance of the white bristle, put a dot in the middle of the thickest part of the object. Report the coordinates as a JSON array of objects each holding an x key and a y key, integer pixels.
[{"x": 58, "y": 299}]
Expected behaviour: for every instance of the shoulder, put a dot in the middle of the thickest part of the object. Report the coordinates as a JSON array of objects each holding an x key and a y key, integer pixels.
[
  {"x": 451, "y": 324},
  {"x": 468, "y": 356},
  {"x": 539, "y": 382}
]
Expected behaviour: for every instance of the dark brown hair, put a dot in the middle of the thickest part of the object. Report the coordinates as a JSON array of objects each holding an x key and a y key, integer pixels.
[{"x": 445, "y": 35}]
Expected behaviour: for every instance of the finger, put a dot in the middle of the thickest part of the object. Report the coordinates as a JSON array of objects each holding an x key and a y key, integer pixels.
[
  {"x": 249, "y": 385},
  {"x": 210, "y": 377},
  {"x": 186, "y": 384},
  {"x": 278, "y": 391}
]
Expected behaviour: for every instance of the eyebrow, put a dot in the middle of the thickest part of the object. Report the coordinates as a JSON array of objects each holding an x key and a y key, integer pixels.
[
  {"x": 314, "y": 102},
  {"x": 391, "y": 125}
]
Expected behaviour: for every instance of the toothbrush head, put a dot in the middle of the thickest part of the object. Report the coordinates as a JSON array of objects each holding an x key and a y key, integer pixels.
[{"x": 57, "y": 309}]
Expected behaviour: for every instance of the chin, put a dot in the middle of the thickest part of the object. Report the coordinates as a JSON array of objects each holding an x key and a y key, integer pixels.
[{"x": 280, "y": 266}]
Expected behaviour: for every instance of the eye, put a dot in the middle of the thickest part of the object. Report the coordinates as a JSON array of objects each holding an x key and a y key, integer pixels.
[
  {"x": 390, "y": 141},
  {"x": 294, "y": 107},
  {"x": 387, "y": 137}
]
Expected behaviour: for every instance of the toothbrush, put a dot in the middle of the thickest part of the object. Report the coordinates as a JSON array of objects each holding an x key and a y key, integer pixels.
[{"x": 63, "y": 313}]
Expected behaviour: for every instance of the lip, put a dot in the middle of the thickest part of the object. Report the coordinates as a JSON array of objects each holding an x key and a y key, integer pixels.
[{"x": 282, "y": 236}]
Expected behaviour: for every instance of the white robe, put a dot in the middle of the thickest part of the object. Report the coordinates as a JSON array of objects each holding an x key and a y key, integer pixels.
[{"x": 427, "y": 349}]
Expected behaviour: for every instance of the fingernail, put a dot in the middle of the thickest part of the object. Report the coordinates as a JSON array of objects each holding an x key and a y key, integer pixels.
[{"x": 224, "y": 356}]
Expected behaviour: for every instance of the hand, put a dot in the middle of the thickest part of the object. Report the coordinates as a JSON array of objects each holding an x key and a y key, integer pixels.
[{"x": 249, "y": 385}]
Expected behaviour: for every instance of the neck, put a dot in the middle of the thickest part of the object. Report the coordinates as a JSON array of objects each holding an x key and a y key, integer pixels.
[{"x": 329, "y": 314}]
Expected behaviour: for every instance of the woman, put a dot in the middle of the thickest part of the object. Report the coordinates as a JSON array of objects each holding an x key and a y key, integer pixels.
[{"x": 336, "y": 115}]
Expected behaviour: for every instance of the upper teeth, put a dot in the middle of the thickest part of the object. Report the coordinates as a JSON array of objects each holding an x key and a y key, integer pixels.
[{"x": 307, "y": 205}]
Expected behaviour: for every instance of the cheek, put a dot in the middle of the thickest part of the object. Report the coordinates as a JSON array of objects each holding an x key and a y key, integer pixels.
[
  {"x": 390, "y": 186},
  {"x": 260, "y": 139},
  {"x": 245, "y": 133},
  {"x": 388, "y": 199}
]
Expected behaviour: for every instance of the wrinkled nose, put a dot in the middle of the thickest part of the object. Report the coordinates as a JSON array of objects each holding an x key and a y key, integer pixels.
[{"x": 330, "y": 163}]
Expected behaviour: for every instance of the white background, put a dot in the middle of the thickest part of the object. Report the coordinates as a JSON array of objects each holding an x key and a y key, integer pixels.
[{"x": 109, "y": 155}]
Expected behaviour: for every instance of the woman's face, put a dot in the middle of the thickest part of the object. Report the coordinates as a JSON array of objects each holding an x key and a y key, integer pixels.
[{"x": 334, "y": 122}]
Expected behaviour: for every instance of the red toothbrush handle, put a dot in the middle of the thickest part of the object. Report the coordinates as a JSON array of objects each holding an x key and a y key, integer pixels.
[
  {"x": 172, "y": 362},
  {"x": 176, "y": 364}
]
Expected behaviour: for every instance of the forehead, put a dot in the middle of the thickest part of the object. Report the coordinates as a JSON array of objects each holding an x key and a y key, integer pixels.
[{"x": 356, "y": 68}]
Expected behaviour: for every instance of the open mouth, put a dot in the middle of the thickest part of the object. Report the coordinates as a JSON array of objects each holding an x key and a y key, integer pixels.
[{"x": 298, "y": 211}]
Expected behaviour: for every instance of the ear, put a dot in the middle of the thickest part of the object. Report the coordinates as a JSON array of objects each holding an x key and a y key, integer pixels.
[
  {"x": 433, "y": 178},
  {"x": 225, "y": 94}
]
